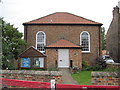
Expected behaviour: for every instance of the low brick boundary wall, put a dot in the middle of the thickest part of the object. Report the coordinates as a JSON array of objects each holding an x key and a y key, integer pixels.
[
  {"x": 32, "y": 75},
  {"x": 114, "y": 65},
  {"x": 105, "y": 78}
]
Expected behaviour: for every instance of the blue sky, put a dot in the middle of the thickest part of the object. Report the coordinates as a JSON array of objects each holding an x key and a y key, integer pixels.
[{"x": 19, "y": 11}]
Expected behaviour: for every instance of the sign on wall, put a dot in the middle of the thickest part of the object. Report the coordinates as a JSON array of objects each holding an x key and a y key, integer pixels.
[
  {"x": 25, "y": 62},
  {"x": 38, "y": 62}
]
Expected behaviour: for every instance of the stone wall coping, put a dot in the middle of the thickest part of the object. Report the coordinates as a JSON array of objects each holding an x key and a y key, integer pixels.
[
  {"x": 31, "y": 72},
  {"x": 113, "y": 63},
  {"x": 114, "y": 74}
]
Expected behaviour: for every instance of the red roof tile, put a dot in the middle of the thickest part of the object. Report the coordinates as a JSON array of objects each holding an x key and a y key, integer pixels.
[
  {"x": 63, "y": 43},
  {"x": 62, "y": 18}
]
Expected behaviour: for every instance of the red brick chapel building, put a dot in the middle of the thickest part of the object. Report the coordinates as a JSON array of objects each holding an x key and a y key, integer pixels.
[{"x": 60, "y": 40}]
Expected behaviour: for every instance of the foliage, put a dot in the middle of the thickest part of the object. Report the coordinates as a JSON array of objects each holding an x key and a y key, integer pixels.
[
  {"x": 33, "y": 69},
  {"x": 103, "y": 39},
  {"x": 101, "y": 63},
  {"x": 110, "y": 70},
  {"x": 85, "y": 66},
  {"x": 12, "y": 44},
  {"x": 0, "y": 44},
  {"x": 98, "y": 66},
  {"x": 74, "y": 69},
  {"x": 53, "y": 69},
  {"x": 83, "y": 77},
  {"x": 92, "y": 68}
]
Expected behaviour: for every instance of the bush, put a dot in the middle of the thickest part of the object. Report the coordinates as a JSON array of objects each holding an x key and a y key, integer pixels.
[
  {"x": 101, "y": 63},
  {"x": 87, "y": 67},
  {"x": 93, "y": 68},
  {"x": 74, "y": 69},
  {"x": 53, "y": 69},
  {"x": 111, "y": 69},
  {"x": 84, "y": 65},
  {"x": 33, "y": 69}
]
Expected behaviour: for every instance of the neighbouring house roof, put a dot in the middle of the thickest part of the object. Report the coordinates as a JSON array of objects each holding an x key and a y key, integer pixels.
[
  {"x": 63, "y": 44},
  {"x": 62, "y": 18},
  {"x": 31, "y": 52}
]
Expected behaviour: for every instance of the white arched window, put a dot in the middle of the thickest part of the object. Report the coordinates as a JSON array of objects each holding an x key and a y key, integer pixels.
[
  {"x": 40, "y": 41},
  {"x": 85, "y": 41}
]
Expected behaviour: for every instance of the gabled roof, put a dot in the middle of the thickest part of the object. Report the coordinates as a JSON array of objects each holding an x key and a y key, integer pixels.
[
  {"x": 63, "y": 44},
  {"x": 62, "y": 18},
  {"x": 31, "y": 52}
]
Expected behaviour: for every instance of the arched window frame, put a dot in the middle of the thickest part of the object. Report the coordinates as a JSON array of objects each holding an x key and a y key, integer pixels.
[
  {"x": 44, "y": 40},
  {"x": 88, "y": 40}
]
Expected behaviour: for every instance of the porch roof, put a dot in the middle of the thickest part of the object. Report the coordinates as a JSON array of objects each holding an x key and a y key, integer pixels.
[
  {"x": 63, "y": 44},
  {"x": 31, "y": 52}
]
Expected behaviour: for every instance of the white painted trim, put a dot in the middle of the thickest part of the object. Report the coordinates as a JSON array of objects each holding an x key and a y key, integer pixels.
[
  {"x": 44, "y": 39},
  {"x": 88, "y": 39}
]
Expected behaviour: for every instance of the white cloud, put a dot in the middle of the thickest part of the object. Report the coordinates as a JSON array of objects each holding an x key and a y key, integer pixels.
[{"x": 19, "y": 11}]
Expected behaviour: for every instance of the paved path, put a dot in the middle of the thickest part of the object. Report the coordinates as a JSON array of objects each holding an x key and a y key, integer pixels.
[{"x": 66, "y": 77}]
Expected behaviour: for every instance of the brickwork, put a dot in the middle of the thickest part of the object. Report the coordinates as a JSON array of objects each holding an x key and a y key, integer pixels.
[
  {"x": 30, "y": 75},
  {"x": 113, "y": 36},
  {"x": 69, "y": 32},
  {"x": 74, "y": 55},
  {"x": 52, "y": 57},
  {"x": 105, "y": 78},
  {"x": 114, "y": 65}
]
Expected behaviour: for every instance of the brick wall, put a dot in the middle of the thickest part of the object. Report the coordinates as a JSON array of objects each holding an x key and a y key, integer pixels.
[
  {"x": 105, "y": 78},
  {"x": 74, "y": 55},
  {"x": 113, "y": 36},
  {"x": 114, "y": 65},
  {"x": 52, "y": 58},
  {"x": 68, "y": 32},
  {"x": 31, "y": 75}
]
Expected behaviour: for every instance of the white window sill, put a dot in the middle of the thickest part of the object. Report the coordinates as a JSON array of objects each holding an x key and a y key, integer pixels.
[
  {"x": 42, "y": 51},
  {"x": 86, "y": 52}
]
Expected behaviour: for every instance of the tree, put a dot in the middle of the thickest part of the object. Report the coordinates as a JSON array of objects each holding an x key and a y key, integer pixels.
[
  {"x": 12, "y": 44},
  {"x": 103, "y": 39},
  {"x": 0, "y": 43}
]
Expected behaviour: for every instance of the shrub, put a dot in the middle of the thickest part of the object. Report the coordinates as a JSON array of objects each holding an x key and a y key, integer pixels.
[
  {"x": 101, "y": 63},
  {"x": 74, "y": 69},
  {"x": 84, "y": 64},
  {"x": 87, "y": 67},
  {"x": 112, "y": 69},
  {"x": 33, "y": 69},
  {"x": 53, "y": 69}
]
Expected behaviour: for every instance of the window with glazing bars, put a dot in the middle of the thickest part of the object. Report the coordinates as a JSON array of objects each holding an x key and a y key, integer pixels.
[
  {"x": 41, "y": 41},
  {"x": 85, "y": 41}
]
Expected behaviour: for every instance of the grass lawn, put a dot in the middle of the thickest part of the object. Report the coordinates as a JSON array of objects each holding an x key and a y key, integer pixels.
[{"x": 83, "y": 77}]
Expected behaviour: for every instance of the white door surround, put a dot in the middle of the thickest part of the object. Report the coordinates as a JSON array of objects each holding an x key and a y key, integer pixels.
[{"x": 63, "y": 58}]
